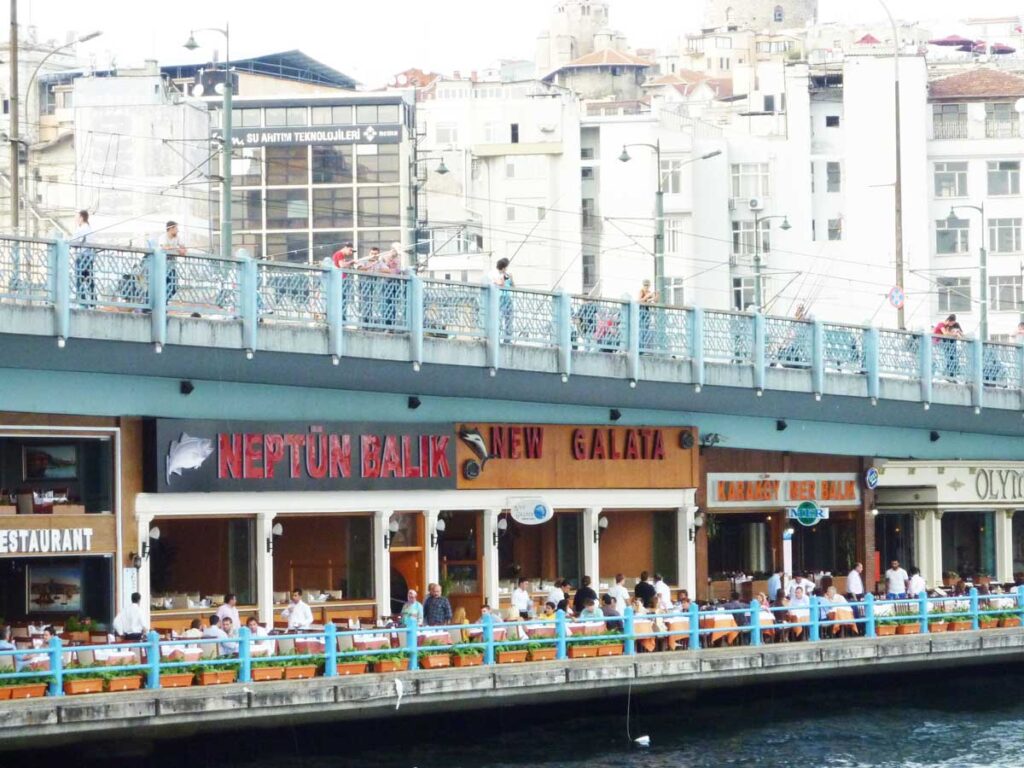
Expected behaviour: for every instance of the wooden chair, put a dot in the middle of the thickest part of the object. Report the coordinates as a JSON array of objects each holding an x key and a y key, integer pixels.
[
  {"x": 285, "y": 646},
  {"x": 86, "y": 658},
  {"x": 6, "y": 661},
  {"x": 210, "y": 651}
]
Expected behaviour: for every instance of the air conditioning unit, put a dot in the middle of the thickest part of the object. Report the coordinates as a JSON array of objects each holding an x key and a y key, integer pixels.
[
  {"x": 756, "y": 204},
  {"x": 548, "y": 128}
]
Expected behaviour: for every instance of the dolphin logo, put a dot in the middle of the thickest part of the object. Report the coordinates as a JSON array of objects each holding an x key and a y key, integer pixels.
[
  {"x": 187, "y": 452},
  {"x": 471, "y": 436}
]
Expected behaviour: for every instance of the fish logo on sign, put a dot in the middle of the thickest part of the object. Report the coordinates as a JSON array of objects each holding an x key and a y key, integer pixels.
[
  {"x": 472, "y": 437},
  {"x": 187, "y": 452}
]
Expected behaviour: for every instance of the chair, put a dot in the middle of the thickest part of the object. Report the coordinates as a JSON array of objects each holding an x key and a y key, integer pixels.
[
  {"x": 285, "y": 646},
  {"x": 86, "y": 658},
  {"x": 345, "y": 643},
  {"x": 6, "y": 660},
  {"x": 209, "y": 651}
]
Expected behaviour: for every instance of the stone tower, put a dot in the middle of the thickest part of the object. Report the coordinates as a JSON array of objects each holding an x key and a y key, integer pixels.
[
  {"x": 573, "y": 28},
  {"x": 760, "y": 14}
]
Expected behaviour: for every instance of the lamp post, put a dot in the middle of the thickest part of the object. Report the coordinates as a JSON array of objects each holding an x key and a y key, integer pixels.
[
  {"x": 982, "y": 268},
  {"x": 659, "y": 209},
  {"x": 757, "y": 253},
  {"x": 898, "y": 204},
  {"x": 226, "y": 145}
]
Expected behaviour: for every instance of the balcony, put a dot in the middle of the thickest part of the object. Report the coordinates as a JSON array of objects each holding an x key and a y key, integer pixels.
[
  {"x": 1002, "y": 129},
  {"x": 950, "y": 129}
]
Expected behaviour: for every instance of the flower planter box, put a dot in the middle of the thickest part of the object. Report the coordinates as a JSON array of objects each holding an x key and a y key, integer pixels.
[
  {"x": 176, "y": 680},
  {"x": 78, "y": 685},
  {"x": 1009, "y": 622},
  {"x": 512, "y": 657},
  {"x": 214, "y": 677},
  {"x": 435, "y": 661},
  {"x": 883, "y": 630},
  {"x": 544, "y": 654},
  {"x": 612, "y": 649},
  {"x": 132, "y": 683},
  {"x": 351, "y": 668},
  {"x": 391, "y": 666},
  {"x": 937, "y": 626},
  {"x": 78, "y": 637},
  {"x": 468, "y": 660},
  {"x": 300, "y": 673},
  {"x": 988, "y": 623},
  {"x": 582, "y": 651},
  {"x": 5, "y": 692},
  {"x": 908, "y": 629},
  {"x": 959, "y": 626},
  {"x": 261, "y": 674},
  {"x": 28, "y": 690}
]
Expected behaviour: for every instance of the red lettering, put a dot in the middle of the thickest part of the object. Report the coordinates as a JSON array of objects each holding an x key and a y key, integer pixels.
[
  {"x": 598, "y": 449},
  {"x": 273, "y": 452},
  {"x": 391, "y": 464},
  {"x": 295, "y": 443},
  {"x": 370, "y": 450},
  {"x": 534, "y": 442},
  {"x": 340, "y": 455},
  {"x": 613, "y": 451},
  {"x": 316, "y": 455},
  {"x": 658, "y": 453},
  {"x": 439, "y": 465},
  {"x": 579, "y": 445},
  {"x": 253, "y": 470},
  {"x": 633, "y": 445},
  {"x": 499, "y": 443},
  {"x": 411, "y": 469},
  {"x": 516, "y": 442},
  {"x": 645, "y": 435},
  {"x": 425, "y": 465},
  {"x": 229, "y": 456}
]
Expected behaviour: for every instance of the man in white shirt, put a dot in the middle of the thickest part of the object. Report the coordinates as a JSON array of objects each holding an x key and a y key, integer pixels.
[
  {"x": 228, "y": 629},
  {"x": 522, "y": 601},
  {"x": 799, "y": 599},
  {"x": 662, "y": 593},
  {"x": 130, "y": 623},
  {"x": 298, "y": 613},
  {"x": 854, "y": 582},
  {"x": 213, "y": 632},
  {"x": 619, "y": 594},
  {"x": 916, "y": 586},
  {"x": 895, "y": 582},
  {"x": 555, "y": 593},
  {"x": 228, "y": 610},
  {"x": 774, "y": 584},
  {"x": 171, "y": 246},
  {"x": 85, "y": 257},
  {"x": 802, "y": 583}
]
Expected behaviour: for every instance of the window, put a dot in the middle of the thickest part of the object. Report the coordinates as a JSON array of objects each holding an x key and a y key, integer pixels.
[
  {"x": 367, "y": 113},
  {"x": 1001, "y": 120},
  {"x": 287, "y": 208},
  {"x": 245, "y": 118},
  {"x": 954, "y": 294},
  {"x": 743, "y": 242},
  {"x": 326, "y": 243},
  {"x": 586, "y": 153},
  {"x": 388, "y": 113},
  {"x": 1004, "y": 235},
  {"x": 834, "y": 181},
  {"x": 1004, "y": 293},
  {"x": 588, "y": 211},
  {"x": 742, "y": 292},
  {"x": 587, "y": 173},
  {"x": 1004, "y": 177},
  {"x": 378, "y": 207},
  {"x": 778, "y": 14},
  {"x": 769, "y": 103},
  {"x": 812, "y": 177},
  {"x": 723, "y": 62},
  {"x": 951, "y": 179},
  {"x": 515, "y": 133},
  {"x": 510, "y": 168},
  {"x": 949, "y": 121},
  {"x": 835, "y": 229},
  {"x": 276, "y": 116},
  {"x": 247, "y": 167},
  {"x": 751, "y": 180},
  {"x": 510, "y": 213},
  {"x": 377, "y": 164},
  {"x": 287, "y": 165},
  {"x": 296, "y": 116},
  {"x": 675, "y": 291},
  {"x": 952, "y": 236},
  {"x": 288, "y": 246},
  {"x": 332, "y": 115},
  {"x": 672, "y": 176},
  {"x": 446, "y": 133},
  {"x": 247, "y": 209},
  {"x": 831, "y": 121},
  {"x": 332, "y": 164},
  {"x": 674, "y": 235},
  {"x": 332, "y": 208},
  {"x": 589, "y": 270}
]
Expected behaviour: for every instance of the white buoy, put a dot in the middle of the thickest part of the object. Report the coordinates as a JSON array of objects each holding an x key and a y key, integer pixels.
[
  {"x": 642, "y": 741},
  {"x": 399, "y": 689}
]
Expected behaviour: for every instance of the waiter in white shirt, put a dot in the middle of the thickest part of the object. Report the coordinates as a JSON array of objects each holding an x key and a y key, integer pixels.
[
  {"x": 620, "y": 594},
  {"x": 522, "y": 601},
  {"x": 298, "y": 613},
  {"x": 663, "y": 593},
  {"x": 916, "y": 585},
  {"x": 228, "y": 609},
  {"x": 854, "y": 582},
  {"x": 130, "y": 622},
  {"x": 555, "y": 593}
]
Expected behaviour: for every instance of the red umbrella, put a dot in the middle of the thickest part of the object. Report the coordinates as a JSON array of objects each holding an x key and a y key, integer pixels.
[
  {"x": 868, "y": 39},
  {"x": 952, "y": 40}
]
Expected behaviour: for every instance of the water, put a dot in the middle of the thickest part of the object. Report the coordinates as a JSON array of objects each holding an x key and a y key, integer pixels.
[{"x": 940, "y": 719}]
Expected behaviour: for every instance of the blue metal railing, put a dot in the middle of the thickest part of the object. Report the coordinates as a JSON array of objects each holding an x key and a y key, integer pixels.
[
  {"x": 330, "y": 649},
  {"x": 99, "y": 277}
]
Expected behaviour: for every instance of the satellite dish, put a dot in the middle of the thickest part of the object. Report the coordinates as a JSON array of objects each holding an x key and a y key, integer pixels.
[
  {"x": 1019, "y": 106},
  {"x": 402, "y": 79},
  {"x": 198, "y": 90}
]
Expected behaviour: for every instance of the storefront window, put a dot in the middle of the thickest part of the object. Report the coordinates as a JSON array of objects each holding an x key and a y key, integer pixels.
[
  {"x": 830, "y": 546},
  {"x": 968, "y": 543},
  {"x": 460, "y": 561},
  {"x": 203, "y": 558},
  {"x": 332, "y": 165},
  {"x": 61, "y": 475},
  {"x": 894, "y": 538},
  {"x": 539, "y": 552},
  {"x": 638, "y": 540},
  {"x": 1018, "y": 544},
  {"x": 287, "y": 209},
  {"x": 329, "y": 555},
  {"x": 287, "y": 165},
  {"x": 54, "y": 589},
  {"x": 738, "y": 543}
]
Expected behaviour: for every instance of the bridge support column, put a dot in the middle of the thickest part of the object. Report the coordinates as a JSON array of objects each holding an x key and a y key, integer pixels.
[
  {"x": 490, "y": 533},
  {"x": 686, "y": 550},
  {"x": 591, "y": 532},
  {"x": 265, "y": 567},
  {"x": 1004, "y": 545},
  {"x": 928, "y": 544},
  {"x": 382, "y": 562}
]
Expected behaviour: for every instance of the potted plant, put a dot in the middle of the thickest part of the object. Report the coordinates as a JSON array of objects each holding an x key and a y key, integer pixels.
[
  {"x": 467, "y": 656},
  {"x": 937, "y": 624},
  {"x": 77, "y": 630},
  {"x": 264, "y": 670},
  {"x": 959, "y": 622},
  {"x": 81, "y": 679},
  {"x": 24, "y": 687},
  {"x": 884, "y": 627},
  {"x": 216, "y": 675},
  {"x": 609, "y": 646},
  {"x": 125, "y": 680},
  {"x": 582, "y": 649},
  {"x": 390, "y": 662},
  {"x": 908, "y": 627},
  {"x": 181, "y": 677},
  {"x": 988, "y": 621},
  {"x": 352, "y": 665},
  {"x": 541, "y": 652},
  {"x": 434, "y": 659},
  {"x": 300, "y": 669},
  {"x": 510, "y": 654},
  {"x": 1009, "y": 620}
]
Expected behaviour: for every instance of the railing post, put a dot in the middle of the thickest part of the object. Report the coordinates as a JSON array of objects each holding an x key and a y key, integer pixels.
[
  {"x": 560, "y": 633},
  {"x": 1020, "y": 372},
  {"x": 978, "y": 373},
  {"x": 926, "y": 366},
  {"x": 694, "y": 628},
  {"x": 158, "y": 295},
  {"x": 974, "y": 607},
  {"x": 153, "y": 659},
  {"x": 244, "y": 655},
  {"x": 249, "y": 285},
  {"x": 488, "y": 622},
  {"x": 62, "y": 279},
  {"x": 755, "y": 622},
  {"x": 815, "y": 620},
  {"x": 758, "y": 353},
  {"x": 335, "y": 311},
  {"x": 330, "y": 650},
  {"x": 411, "y": 642},
  {"x": 56, "y": 667},
  {"x": 871, "y": 362},
  {"x": 415, "y": 286},
  {"x": 563, "y": 315},
  {"x": 817, "y": 357},
  {"x": 1020, "y": 602},
  {"x": 633, "y": 341},
  {"x": 922, "y": 607},
  {"x": 869, "y": 615},
  {"x": 697, "y": 345},
  {"x": 493, "y": 326},
  {"x": 628, "y": 629}
]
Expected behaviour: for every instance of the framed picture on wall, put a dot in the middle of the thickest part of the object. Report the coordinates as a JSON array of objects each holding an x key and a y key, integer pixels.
[
  {"x": 49, "y": 462},
  {"x": 53, "y": 588}
]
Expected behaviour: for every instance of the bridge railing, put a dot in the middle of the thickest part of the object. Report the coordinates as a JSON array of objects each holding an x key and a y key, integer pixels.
[{"x": 110, "y": 278}]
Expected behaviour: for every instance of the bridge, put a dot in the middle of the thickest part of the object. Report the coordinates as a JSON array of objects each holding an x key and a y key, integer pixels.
[{"x": 152, "y": 316}]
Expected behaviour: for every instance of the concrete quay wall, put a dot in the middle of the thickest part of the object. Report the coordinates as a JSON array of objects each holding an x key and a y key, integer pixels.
[{"x": 172, "y": 713}]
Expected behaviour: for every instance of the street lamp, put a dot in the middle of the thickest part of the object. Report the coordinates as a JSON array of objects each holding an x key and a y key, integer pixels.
[
  {"x": 785, "y": 225},
  {"x": 982, "y": 267},
  {"x": 659, "y": 209},
  {"x": 226, "y": 146},
  {"x": 898, "y": 187}
]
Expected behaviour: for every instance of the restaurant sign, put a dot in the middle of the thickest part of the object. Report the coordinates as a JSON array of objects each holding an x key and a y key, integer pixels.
[
  {"x": 45, "y": 541},
  {"x": 530, "y": 511},
  {"x": 198, "y": 456},
  {"x": 808, "y": 513},
  {"x": 321, "y": 134},
  {"x": 770, "y": 490}
]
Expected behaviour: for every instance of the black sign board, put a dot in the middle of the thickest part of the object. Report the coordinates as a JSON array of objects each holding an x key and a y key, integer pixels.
[
  {"x": 203, "y": 456},
  {"x": 319, "y": 134}
]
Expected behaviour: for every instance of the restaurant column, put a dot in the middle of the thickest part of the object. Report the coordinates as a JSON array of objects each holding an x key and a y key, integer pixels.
[
  {"x": 927, "y": 545},
  {"x": 265, "y": 567},
  {"x": 686, "y": 550},
  {"x": 591, "y": 545},
  {"x": 143, "y": 523},
  {"x": 431, "y": 566},
  {"x": 382, "y": 561},
  {"x": 489, "y": 587},
  {"x": 1004, "y": 545}
]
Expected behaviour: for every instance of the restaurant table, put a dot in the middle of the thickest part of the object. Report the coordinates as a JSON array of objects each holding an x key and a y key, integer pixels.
[
  {"x": 476, "y": 635},
  {"x": 111, "y": 657},
  {"x": 179, "y": 653},
  {"x": 586, "y": 628},
  {"x": 679, "y": 633},
  {"x": 726, "y": 622},
  {"x": 795, "y": 617},
  {"x": 371, "y": 642},
  {"x": 645, "y": 627},
  {"x": 434, "y": 637},
  {"x": 843, "y": 614}
]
